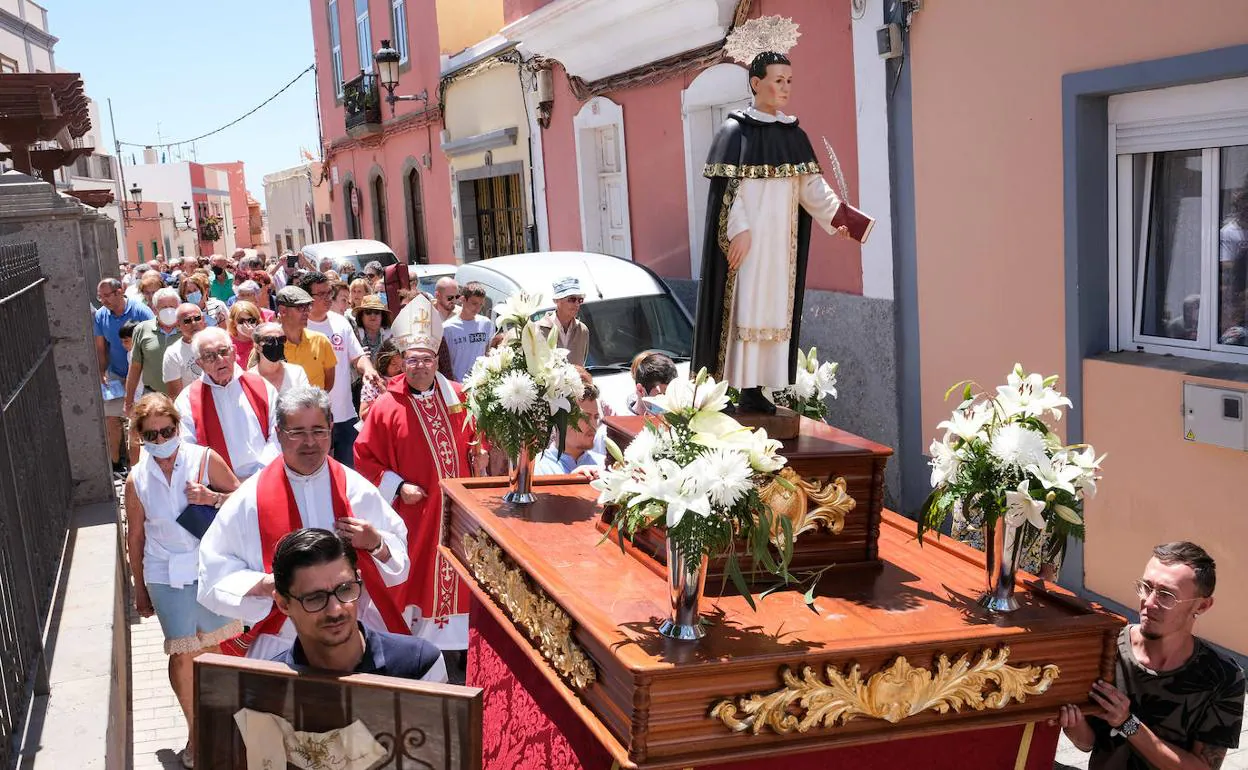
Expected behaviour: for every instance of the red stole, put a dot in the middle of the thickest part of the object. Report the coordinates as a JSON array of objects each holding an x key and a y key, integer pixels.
[
  {"x": 208, "y": 424},
  {"x": 278, "y": 517}
]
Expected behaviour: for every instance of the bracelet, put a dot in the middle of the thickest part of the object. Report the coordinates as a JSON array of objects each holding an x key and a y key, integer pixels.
[{"x": 381, "y": 543}]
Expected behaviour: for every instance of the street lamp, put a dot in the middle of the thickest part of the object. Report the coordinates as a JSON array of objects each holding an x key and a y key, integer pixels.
[
  {"x": 136, "y": 195},
  {"x": 388, "y": 73},
  {"x": 187, "y": 223}
]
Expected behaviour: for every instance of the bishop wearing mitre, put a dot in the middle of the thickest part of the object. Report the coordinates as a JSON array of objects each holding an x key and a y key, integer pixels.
[
  {"x": 766, "y": 190},
  {"x": 417, "y": 434}
]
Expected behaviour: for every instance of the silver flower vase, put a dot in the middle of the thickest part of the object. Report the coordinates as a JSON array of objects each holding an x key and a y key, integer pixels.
[
  {"x": 521, "y": 478},
  {"x": 1003, "y": 546},
  {"x": 685, "y": 579}
]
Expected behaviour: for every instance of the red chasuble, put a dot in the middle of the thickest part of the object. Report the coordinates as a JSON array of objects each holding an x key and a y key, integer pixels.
[
  {"x": 208, "y": 424},
  {"x": 422, "y": 440},
  {"x": 279, "y": 516}
]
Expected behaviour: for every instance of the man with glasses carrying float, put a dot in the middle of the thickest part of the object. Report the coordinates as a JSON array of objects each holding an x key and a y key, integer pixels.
[
  {"x": 1178, "y": 702},
  {"x": 573, "y": 333},
  {"x": 317, "y": 584},
  {"x": 416, "y": 435},
  {"x": 306, "y": 488},
  {"x": 227, "y": 409}
]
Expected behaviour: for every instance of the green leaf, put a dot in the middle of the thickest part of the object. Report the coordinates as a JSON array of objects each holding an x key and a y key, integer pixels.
[
  {"x": 966, "y": 392},
  {"x": 955, "y": 386},
  {"x": 738, "y": 580}
]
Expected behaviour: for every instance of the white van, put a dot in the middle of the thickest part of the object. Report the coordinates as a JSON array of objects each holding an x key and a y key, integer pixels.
[
  {"x": 628, "y": 309},
  {"x": 358, "y": 251}
]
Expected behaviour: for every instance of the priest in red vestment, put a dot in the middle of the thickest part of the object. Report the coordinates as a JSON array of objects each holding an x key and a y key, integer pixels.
[{"x": 417, "y": 434}]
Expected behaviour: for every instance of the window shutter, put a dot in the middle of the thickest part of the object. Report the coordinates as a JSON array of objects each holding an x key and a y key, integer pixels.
[{"x": 1180, "y": 118}]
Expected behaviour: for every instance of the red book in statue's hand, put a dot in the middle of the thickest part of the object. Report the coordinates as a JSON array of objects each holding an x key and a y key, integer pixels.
[{"x": 856, "y": 223}]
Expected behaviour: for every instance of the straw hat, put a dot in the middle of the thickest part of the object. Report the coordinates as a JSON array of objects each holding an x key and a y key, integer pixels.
[{"x": 374, "y": 303}]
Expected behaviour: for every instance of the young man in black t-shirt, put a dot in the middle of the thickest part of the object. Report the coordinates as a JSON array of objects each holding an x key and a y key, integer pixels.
[
  {"x": 316, "y": 584},
  {"x": 1178, "y": 702}
]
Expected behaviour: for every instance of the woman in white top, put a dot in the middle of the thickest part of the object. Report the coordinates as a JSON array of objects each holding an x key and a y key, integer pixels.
[
  {"x": 164, "y": 556},
  {"x": 268, "y": 359}
]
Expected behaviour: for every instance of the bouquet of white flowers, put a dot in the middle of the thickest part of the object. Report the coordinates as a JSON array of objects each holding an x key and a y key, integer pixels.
[
  {"x": 814, "y": 382},
  {"x": 999, "y": 458},
  {"x": 523, "y": 389},
  {"x": 698, "y": 472}
]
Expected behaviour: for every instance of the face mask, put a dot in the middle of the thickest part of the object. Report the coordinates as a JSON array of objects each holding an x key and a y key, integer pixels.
[
  {"x": 218, "y": 271},
  {"x": 168, "y": 316},
  {"x": 163, "y": 451},
  {"x": 273, "y": 350},
  {"x": 194, "y": 297}
]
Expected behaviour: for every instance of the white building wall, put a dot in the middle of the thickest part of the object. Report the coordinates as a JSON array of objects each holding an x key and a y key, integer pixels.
[{"x": 287, "y": 194}]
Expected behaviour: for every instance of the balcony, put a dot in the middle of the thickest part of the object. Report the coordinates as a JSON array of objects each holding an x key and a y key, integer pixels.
[{"x": 362, "y": 104}]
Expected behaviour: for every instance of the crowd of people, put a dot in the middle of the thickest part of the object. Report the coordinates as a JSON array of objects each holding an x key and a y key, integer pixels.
[{"x": 262, "y": 411}]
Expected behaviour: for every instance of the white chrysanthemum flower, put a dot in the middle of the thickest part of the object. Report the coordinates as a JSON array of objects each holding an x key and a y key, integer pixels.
[
  {"x": 517, "y": 392},
  {"x": 641, "y": 448},
  {"x": 805, "y": 387},
  {"x": 1014, "y": 444},
  {"x": 725, "y": 475}
]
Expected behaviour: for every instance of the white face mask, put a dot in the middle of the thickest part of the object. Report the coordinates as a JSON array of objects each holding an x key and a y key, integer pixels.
[
  {"x": 165, "y": 450},
  {"x": 168, "y": 316}
]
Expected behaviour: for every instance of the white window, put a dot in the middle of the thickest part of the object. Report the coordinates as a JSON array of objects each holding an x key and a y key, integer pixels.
[
  {"x": 1180, "y": 234},
  {"x": 335, "y": 46},
  {"x": 363, "y": 35},
  {"x": 399, "y": 17}
]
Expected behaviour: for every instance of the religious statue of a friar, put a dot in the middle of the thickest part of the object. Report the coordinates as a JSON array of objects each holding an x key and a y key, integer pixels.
[{"x": 766, "y": 188}]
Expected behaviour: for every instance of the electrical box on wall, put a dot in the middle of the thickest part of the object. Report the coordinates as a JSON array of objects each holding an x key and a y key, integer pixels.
[{"x": 1215, "y": 416}]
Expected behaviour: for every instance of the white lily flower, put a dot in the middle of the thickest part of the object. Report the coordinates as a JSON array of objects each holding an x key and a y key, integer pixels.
[
  {"x": 1027, "y": 395},
  {"x": 611, "y": 486},
  {"x": 1022, "y": 507},
  {"x": 967, "y": 423},
  {"x": 945, "y": 462},
  {"x": 825, "y": 378},
  {"x": 536, "y": 348},
  {"x": 518, "y": 309},
  {"x": 764, "y": 453},
  {"x": 1055, "y": 475}
]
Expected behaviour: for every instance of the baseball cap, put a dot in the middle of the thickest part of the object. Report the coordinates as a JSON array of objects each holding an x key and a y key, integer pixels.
[
  {"x": 293, "y": 296},
  {"x": 568, "y": 287}
]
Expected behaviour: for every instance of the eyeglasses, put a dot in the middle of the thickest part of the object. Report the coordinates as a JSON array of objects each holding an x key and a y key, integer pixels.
[
  {"x": 319, "y": 294},
  {"x": 150, "y": 436},
  {"x": 1165, "y": 599},
  {"x": 212, "y": 356},
  {"x": 302, "y": 434},
  {"x": 420, "y": 361},
  {"x": 345, "y": 593},
  {"x": 272, "y": 340},
  {"x": 574, "y": 300},
  {"x": 191, "y": 319}
]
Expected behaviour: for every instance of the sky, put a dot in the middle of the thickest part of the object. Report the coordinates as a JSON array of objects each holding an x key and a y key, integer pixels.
[{"x": 177, "y": 69}]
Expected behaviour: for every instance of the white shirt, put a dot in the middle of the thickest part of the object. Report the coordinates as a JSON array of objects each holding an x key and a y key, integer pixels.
[
  {"x": 170, "y": 553},
  {"x": 294, "y": 377},
  {"x": 231, "y": 562},
  {"x": 179, "y": 364},
  {"x": 347, "y": 349},
  {"x": 249, "y": 450}
]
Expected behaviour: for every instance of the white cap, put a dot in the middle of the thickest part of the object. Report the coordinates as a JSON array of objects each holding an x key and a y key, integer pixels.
[{"x": 568, "y": 287}]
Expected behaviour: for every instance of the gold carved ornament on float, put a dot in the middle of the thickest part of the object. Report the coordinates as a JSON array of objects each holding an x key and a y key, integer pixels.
[
  {"x": 543, "y": 621},
  {"x": 806, "y": 505},
  {"x": 891, "y": 694}
]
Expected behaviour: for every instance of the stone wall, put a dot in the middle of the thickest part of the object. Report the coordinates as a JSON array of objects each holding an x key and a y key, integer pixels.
[{"x": 77, "y": 245}]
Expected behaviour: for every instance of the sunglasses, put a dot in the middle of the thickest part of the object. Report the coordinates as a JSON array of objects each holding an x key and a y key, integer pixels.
[
  {"x": 252, "y": 321},
  {"x": 150, "y": 436},
  {"x": 212, "y": 356},
  {"x": 191, "y": 319},
  {"x": 272, "y": 340},
  {"x": 574, "y": 300}
]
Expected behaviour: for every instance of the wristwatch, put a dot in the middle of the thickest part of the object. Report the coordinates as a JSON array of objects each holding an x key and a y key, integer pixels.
[
  {"x": 1129, "y": 727},
  {"x": 381, "y": 543}
]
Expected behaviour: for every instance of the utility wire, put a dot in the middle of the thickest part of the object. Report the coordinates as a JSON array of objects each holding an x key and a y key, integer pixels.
[{"x": 239, "y": 119}]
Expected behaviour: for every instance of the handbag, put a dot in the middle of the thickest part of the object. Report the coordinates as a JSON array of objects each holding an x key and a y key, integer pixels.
[{"x": 197, "y": 517}]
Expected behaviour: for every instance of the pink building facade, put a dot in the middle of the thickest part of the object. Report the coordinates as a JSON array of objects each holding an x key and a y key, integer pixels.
[
  {"x": 240, "y": 219},
  {"x": 387, "y": 180}
]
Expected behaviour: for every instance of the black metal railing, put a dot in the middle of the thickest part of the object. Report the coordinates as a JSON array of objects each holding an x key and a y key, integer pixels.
[
  {"x": 35, "y": 488},
  {"x": 361, "y": 101}
]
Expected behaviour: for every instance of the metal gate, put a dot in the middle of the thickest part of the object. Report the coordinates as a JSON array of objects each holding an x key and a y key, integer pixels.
[{"x": 35, "y": 488}]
